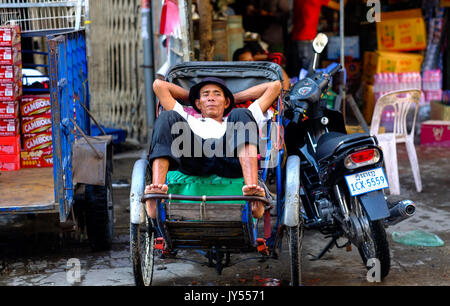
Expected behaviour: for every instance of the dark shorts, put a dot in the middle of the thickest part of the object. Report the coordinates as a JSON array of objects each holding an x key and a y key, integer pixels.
[{"x": 186, "y": 150}]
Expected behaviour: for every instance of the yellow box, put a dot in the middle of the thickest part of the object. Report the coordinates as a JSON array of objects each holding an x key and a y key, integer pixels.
[
  {"x": 445, "y": 3},
  {"x": 384, "y": 61},
  {"x": 369, "y": 66},
  {"x": 401, "y": 31},
  {"x": 439, "y": 111},
  {"x": 398, "y": 62},
  {"x": 369, "y": 102},
  {"x": 352, "y": 129}
]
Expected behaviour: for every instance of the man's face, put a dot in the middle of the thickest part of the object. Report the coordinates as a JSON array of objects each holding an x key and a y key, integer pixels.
[{"x": 212, "y": 102}]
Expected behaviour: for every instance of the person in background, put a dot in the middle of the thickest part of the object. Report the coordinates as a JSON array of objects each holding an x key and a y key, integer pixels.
[
  {"x": 306, "y": 15},
  {"x": 243, "y": 54},
  {"x": 252, "y": 51}
]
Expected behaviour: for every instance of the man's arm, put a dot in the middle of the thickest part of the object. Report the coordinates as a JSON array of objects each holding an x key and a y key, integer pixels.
[
  {"x": 266, "y": 94},
  {"x": 334, "y": 5},
  {"x": 167, "y": 93}
]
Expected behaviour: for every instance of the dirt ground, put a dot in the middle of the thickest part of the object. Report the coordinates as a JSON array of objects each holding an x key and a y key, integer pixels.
[
  {"x": 410, "y": 265},
  {"x": 42, "y": 259}
]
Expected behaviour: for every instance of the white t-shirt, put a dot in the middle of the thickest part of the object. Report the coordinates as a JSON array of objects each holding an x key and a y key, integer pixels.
[{"x": 209, "y": 128}]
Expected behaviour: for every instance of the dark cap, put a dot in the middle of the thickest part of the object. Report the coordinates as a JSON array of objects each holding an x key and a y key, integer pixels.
[{"x": 194, "y": 93}]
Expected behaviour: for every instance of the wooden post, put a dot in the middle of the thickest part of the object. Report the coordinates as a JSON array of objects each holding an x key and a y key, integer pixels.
[{"x": 205, "y": 29}]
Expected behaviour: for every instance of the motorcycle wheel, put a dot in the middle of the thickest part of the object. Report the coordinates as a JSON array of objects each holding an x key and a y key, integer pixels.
[{"x": 375, "y": 244}]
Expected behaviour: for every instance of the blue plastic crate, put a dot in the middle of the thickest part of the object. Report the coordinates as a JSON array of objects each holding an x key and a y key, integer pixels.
[{"x": 118, "y": 135}]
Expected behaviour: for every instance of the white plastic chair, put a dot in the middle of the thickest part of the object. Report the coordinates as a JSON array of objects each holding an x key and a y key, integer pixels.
[{"x": 402, "y": 101}]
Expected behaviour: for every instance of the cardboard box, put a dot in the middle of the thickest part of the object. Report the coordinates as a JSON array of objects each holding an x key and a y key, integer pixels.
[
  {"x": 9, "y": 36},
  {"x": 10, "y": 145},
  {"x": 439, "y": 111},
  {"x": 369, "y": 102},
  {"x": 36, "y": 124},
  {"x": 397, "y": 62},
  {"x": 351, "y": 47},
  {"x": 10, "y": 92},
  {"x": 10, "y": 162},
  {"x": 37, "y": 142},
  {"x": 435, "y": 133},
  {"x": 9, "y": 127},
  {"x": 11, "y": 74},
  {"x": 11, "y": 55},
  {"x": 37, "y": 159},
  {"x": 401, "y": 31},
  {"x": 9, "y": 110},
  {"x": 352, "y": 129},
  {"x": 445, "y": 3},
  {"x": 32, "y": 105}
]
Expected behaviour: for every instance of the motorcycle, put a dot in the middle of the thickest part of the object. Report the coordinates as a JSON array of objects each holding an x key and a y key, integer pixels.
[{"x": 336, "y": 180}]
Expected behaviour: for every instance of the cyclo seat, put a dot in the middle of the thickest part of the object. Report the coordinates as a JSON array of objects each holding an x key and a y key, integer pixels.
[{"x": 333, "y": 141}]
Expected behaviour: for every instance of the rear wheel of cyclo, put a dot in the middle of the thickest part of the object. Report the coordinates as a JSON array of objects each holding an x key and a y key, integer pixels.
[
  {"x": 295, "y": 237},
  {"x": 100, "y": 214},
  {"x": 142, "y": 238}
]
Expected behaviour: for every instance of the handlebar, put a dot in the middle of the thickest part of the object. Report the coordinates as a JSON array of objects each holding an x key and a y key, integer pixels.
[
  {"x": 335, "y": 69},
  {"x": 325, "y": 81},
  {"x": 298, "y": 112}
]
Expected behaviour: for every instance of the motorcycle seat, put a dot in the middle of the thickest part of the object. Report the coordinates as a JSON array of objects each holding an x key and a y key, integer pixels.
[{"x": 330, "y": 142}]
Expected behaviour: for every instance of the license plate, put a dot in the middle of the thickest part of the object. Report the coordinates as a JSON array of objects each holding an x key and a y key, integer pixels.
[{"x": 367, "y": 181}]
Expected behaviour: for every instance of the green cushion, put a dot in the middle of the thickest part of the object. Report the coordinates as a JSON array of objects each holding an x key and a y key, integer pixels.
[{"x": 212, "y": 185}]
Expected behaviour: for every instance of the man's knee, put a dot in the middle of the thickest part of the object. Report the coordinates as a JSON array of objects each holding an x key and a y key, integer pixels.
[
  {"x": 169, "y": 116},
  {"x": 240, "y": 115}
]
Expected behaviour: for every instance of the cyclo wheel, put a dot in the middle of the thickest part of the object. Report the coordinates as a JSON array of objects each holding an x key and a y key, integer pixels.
[
  {"x": 142, "y": 242},
  {"x": 142, "y": 235},
  {"x": 295, "y": 237}
]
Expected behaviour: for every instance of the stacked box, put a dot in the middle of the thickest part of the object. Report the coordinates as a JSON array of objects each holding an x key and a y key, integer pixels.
[
  {"x": 401, "y": 31},
  {"x": 435, "y": 133},
  {"x": 9, "y": 36},
  {"x": 36, "y": 125},
  {"x": 10, "y": 93}
]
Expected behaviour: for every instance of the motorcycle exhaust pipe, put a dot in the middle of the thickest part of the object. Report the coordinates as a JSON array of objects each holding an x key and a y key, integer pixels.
[{"x": 400, "y": 211}]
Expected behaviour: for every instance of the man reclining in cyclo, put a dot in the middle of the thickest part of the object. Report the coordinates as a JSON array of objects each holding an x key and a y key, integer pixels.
[{"x": 223, "y": 141}]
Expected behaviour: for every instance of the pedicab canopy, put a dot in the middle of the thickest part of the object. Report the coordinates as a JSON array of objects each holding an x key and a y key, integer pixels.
[{"x": 238, "y": 76}]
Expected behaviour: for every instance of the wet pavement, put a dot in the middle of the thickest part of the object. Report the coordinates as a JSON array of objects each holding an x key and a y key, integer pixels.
[{"x": 28, "y": 258}]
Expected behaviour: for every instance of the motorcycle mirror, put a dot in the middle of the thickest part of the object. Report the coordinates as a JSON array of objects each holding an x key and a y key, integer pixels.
[{"x": 320, "y": 42}]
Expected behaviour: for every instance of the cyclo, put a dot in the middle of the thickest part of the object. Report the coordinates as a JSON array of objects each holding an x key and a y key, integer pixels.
[{"x": 210, "y": 214}]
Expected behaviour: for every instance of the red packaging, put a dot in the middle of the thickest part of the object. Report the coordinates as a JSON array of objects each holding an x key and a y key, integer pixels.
[
  {"x": 10, "y": 91},
  {"x": 38, "y": 142},
  {"x": 37, "y": 159},
  {"x": 10, "y": 162},
  {"x": 9, "y": 110},
  {"x": 435, "y": 133},
  {"x": 10, "y": 74},
  {"x": 36, "y": 124},
  {"x": 11, "y": 55},
  {"x": 9, "y": 35},
  {"x": 9, "y": 127},
  {"x": 10, "y": 145},
  {"x": 32, "y": 105}
]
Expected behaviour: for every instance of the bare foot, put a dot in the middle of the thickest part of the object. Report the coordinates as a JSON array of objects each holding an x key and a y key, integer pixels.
[
  {"x": 151, "y": 204},
  {"x": 257, "y": 206}
]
